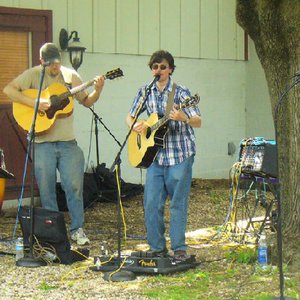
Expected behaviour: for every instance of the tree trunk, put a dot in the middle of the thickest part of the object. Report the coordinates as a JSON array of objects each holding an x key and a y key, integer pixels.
[{"x": 274, "y": 27}]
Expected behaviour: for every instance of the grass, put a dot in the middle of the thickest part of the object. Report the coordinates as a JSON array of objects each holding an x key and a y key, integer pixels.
[
  {"x": 202, "y": 285},
  {"x": 237, "y": 277},
  {"x": 240, "y": 255},
  {"x": 45, "y": 287},
  {"x": 178, "y": 287}
]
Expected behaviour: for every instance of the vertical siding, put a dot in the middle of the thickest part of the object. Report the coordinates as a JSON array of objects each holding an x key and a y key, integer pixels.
[
  {"x": 227, "y": 30},
  {"x": 127, "y": 26},
  {"x": 187, "y": 28},
  {"x": 80, "y": 19},
  {"x": 240, "y": 43},
  {"x": 104, "y": 15},
  {"x": 30, "y": 4},
  {"x": 190, "y": 28},
  {"x": 170, "y": 26},
  {"x": 209, "y": 29},
  {"x": 60, "y": 17},
  {"x": 36, "y": 4},
  {"x": 149, "y": 26},
  {"x": 7, "y": 3}
]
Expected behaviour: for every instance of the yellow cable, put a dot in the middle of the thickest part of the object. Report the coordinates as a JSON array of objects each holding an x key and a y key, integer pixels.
[
  {"x": 84, "y": 267},
  {"x": 63, "y": 278},
  {"x": 121, "y": 205}
]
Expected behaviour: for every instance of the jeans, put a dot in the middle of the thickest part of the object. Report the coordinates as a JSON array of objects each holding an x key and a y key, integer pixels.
[
  {"x": 68, "y": 159},
  {"x": 161, "y": 182}
]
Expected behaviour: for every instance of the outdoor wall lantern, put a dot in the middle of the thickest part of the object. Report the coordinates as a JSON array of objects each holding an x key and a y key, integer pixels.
[{"x": 75, "y": 48}]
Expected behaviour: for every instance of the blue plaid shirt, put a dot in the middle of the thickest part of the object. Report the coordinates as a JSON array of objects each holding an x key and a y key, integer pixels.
[{"x": 179, "y": 142}]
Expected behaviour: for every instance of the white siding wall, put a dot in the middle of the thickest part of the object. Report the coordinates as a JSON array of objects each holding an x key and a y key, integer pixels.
[
  {"x": 187, "y": 28},
  {"x": 208, "y": 47},
  {"x": 258, "y": 105}
]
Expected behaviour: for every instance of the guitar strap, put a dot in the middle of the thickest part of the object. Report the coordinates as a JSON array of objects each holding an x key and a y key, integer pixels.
[
  {"x": 67, "y": 77},
  {"x": 169, "y": 104},
  {"x": 170, "y": 99}
]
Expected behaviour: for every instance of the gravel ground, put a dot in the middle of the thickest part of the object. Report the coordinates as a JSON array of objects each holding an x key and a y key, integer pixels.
[{"x": 208, "y": 207}]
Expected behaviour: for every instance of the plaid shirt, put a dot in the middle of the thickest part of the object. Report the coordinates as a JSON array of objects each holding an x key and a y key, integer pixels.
[{"x": 179, "y": 142}]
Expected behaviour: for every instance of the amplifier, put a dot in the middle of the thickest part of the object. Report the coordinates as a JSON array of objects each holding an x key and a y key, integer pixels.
[{"x": 258, "y": 157}]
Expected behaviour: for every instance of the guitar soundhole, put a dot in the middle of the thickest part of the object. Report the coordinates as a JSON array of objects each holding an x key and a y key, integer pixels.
[
  {"x": 56, "y": 104},
  {"x": 138, "y": 141},
  {"x": 148, "y": 132}
]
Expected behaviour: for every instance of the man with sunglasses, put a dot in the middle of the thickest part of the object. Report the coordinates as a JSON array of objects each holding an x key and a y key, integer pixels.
[
  {"x": 170, "y": 174},
  {"x": 57, "y": 149}
]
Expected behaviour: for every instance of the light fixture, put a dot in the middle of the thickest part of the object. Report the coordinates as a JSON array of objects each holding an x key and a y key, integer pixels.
[{"x": 75, "y": 48}]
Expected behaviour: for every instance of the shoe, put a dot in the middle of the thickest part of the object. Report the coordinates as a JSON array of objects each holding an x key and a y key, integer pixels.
[
  {"x": 181, "y": 256},
  {"x": 79, "y": 237},
  {"x": 161, "y": 253}
]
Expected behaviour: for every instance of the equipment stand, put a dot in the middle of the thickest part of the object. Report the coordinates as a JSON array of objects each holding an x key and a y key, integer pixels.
[
  {"x": 96, "y": 135},
  {"x": 96, "y": 119},
  {"x": 31, "y": 261}
]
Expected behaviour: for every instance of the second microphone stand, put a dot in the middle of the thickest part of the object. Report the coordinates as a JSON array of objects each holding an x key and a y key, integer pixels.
[{"x": 119, "y": 274}]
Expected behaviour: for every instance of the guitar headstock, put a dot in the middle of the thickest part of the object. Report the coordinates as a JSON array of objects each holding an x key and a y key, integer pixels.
[
  {"x": 191, "y": 101},
  {"x": 114, "y": 74}
]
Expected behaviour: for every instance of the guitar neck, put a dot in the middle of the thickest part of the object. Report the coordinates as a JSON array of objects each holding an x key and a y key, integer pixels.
[
  {"x": 191, "y": 101},
  {"x": 81, "y": 87},
  {"x": 160, "y": 122},
  {"x": 109, "y": 75},
  {"x": 76, "y": 89}
]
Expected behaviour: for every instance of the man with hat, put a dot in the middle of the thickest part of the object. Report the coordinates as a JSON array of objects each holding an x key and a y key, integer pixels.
[{"x": 57, "y": 149}]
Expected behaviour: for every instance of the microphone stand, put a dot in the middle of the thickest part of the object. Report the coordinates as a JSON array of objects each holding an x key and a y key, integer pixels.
[
  {"x": 124, "y": 275},
  {"x": 31, "y": 261},
  {"x": 96, "y": 135},
  {"x": 96, "y": 119},
  {"x": 277, "y": 195}
]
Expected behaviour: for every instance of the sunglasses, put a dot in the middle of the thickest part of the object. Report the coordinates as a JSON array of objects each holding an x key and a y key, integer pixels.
[{"x": 157, "y": 66}]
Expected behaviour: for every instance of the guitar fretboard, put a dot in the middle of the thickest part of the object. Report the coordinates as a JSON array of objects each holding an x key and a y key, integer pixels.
[
  {"x": 159, "y": 123},
  {"x": 186, "y": 103}
]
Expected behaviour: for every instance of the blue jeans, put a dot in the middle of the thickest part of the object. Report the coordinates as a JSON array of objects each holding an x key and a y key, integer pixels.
[
  {"x": 161, "y": 182},
  {"x": 68, "y": 159}
]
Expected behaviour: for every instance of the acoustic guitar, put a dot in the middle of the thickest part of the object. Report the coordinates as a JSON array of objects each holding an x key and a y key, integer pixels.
[
  {"x": 61, "y": 104},
  {"x": 143, "y": 147}
]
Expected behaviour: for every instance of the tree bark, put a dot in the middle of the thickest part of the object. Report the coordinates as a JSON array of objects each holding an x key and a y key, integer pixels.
[{"x": 274, "y": 27}]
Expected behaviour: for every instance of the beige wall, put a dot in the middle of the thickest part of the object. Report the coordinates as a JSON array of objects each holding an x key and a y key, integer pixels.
[{"x": 208, "y": 48}]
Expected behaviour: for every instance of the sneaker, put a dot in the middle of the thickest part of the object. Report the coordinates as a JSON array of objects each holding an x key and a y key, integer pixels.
[
  {"x": 181, "y": 256},
  {"x": 79, "y": 237}
]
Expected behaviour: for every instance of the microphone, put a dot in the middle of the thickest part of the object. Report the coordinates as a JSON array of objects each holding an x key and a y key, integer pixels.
[
  {"x": 46, "y": 63},
  {"x": 155, "y": 79}
]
